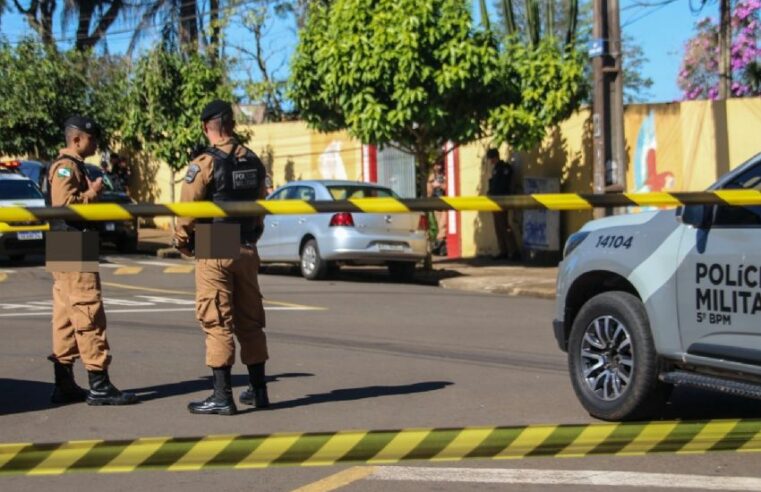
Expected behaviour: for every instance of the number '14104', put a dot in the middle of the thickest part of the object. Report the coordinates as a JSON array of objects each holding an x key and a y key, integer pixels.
[{"x": 614, "y": 242}]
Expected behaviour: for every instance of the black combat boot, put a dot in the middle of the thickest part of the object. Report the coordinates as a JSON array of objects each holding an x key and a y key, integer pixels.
[
  {"x": 66, "y": 389},
  {"x": 256, "y": 394},
  {"x": 221, "y": 401},
  {"x": 102, "y": 392}
]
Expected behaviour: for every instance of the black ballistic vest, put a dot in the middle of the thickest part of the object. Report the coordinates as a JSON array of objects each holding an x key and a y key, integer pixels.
[{"x": 237, "y": 179}]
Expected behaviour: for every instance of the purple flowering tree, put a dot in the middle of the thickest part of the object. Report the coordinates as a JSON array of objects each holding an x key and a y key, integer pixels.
[{"x": 699, "y": 72}]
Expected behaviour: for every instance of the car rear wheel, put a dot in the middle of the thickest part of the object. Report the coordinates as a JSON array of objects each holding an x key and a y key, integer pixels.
[
  {"x": 312, "y": 266},
  {"x": 612, "y": 359},
  {"x": 127, "y": 244},
  {"x": 402, "y": 271}
]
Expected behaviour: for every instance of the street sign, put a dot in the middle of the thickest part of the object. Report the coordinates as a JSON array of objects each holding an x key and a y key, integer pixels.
[{"x": 596, "y": 47}]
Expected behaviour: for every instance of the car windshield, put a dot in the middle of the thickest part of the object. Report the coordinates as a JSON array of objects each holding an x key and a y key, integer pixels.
[
  {"x": 345, "y": 192},
  {"x": 19, "y": 190}
]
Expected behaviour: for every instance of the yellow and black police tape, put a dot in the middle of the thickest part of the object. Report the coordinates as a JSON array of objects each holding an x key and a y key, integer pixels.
[
  {"x": 380, "y": 447},
  {"x": 559, "y": 201}
]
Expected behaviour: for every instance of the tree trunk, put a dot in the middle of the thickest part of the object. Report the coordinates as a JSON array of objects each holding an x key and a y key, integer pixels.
[
  {"x": 215, "y": 27},
  {"x": 725, "y": 39},
  {"x": 572, "y": 12},
  {"x": 189, "y": 26},
  {"x": 509, "y": 14},
  {"x": 86, "y": 40},
  {"x": 550, "y": 29},
  {"x": 171, "y": 197},
  {"x": 484, "y": 15},
  {"x": 533, "y": 22}
]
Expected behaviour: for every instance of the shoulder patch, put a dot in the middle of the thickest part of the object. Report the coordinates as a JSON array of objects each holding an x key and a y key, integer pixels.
[
  {"x": 63, "y": 172},
  {"x": 193, "y": 170}
]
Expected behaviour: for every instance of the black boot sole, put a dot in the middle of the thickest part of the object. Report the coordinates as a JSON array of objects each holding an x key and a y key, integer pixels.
[
  {"x": 109, "y": 402},
  {"x": 215, "y": 411}
]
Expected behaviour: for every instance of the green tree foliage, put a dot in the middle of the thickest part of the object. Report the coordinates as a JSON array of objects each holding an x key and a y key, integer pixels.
[
  {"x": 63, "y": 84},
  {"x": 550, "y": 82},
  {"x": 416, "y": 74},
  {"x": 165, "y": 99}
]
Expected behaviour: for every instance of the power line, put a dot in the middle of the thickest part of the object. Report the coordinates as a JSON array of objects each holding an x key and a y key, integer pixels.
[
  {"x": 654, "y": 7},
  {"x": 150, "y": 27}
]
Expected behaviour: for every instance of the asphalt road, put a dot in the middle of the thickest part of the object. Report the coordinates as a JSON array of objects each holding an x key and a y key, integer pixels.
[{"x": 358, "y": 352}]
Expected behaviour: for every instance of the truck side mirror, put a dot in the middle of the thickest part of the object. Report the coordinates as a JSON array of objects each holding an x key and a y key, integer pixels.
[{"x": 698, "y": 216}]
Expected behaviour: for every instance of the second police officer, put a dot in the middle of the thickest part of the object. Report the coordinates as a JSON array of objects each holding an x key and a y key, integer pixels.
[{"x": 228, "y": 299}]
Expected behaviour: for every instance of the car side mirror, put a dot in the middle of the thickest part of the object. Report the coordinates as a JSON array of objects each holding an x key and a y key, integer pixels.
[{"x": 698, "y": 216}]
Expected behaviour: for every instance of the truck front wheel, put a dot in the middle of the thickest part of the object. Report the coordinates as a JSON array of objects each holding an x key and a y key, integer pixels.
[{"x": 612, "y": 359}]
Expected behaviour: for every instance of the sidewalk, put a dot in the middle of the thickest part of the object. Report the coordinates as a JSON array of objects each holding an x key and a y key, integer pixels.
[
  {"x": 496, "y": 277},
  {"x": 471, "y": 274}
]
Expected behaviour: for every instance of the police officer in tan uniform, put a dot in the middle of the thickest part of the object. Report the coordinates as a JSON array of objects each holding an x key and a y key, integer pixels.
[
  {"x": 228, "y": 299},
  {"x": 79, "y": 321}
]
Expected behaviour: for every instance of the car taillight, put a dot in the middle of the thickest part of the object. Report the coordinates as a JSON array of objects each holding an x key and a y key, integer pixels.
[
  {"x": 342, "y": 219},
  {"x": 422, "y": 224},
  {"x": 10, "y": 164}
]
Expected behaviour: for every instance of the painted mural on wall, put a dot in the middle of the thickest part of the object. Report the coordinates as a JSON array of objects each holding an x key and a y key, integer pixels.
[
  {"x": 330, "y": 162},
  {"x": 647, "y": 177}
]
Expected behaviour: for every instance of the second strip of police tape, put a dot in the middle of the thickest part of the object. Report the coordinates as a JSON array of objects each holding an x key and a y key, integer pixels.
[
  {"x": 379, "y": 447},
  {"x": 560, "y": 201}
]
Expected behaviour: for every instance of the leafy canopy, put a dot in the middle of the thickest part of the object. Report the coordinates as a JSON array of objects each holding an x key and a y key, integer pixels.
[
  {"x": 166, "y": 97},
  {"x": 416, "y": 74},
  {"x": 42, "y": 87}
]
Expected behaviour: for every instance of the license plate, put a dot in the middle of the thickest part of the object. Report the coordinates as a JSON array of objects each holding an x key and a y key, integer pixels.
[
  {"x": 26, "y": 236},
  {"x": 110, "y": 226},
  {"x": 391, "y": 247}
]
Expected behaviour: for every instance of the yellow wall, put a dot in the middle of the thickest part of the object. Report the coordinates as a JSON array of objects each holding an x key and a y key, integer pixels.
[{"x": 695, "y": 142}]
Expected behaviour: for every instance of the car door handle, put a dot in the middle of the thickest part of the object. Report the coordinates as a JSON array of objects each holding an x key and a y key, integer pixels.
[
  {"x": 302, "y": 220},
  {"x": 274, "y": 224}
]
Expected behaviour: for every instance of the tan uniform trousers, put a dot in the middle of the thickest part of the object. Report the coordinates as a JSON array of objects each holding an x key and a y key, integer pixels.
[
  {"x": 79, "y": 321},
  {"x": 228, "y": 301}
]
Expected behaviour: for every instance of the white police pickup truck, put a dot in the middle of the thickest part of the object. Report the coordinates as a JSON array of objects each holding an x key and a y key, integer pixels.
[{"x": 652, "y": 300}]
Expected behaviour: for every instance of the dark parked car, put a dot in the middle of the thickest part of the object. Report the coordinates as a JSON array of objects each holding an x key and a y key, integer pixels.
[{"x": 122, "y": 234}]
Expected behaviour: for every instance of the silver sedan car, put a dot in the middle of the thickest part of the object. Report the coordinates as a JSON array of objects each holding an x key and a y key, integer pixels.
[{"x": 319, "y": 243}]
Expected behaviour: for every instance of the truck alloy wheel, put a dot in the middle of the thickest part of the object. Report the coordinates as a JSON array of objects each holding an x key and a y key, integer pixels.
[{"x": 612, "y": 359}]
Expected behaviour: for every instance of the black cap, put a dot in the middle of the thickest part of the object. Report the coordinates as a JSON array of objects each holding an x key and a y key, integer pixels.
[
  {"x": 216, "y": 109},
  {"x": 82, "y": 123},
  {"x": 492, "y": 154}
]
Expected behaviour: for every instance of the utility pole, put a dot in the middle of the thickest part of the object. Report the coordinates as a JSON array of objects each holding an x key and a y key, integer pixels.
[
  {"x": 725, "y": 72},
  {"x": 609, "y": 164}
]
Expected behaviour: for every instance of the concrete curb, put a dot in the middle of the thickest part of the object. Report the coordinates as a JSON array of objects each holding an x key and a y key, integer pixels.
[
  {"x": 499, "y": 285},
  {"x": 168, "y": 253}
]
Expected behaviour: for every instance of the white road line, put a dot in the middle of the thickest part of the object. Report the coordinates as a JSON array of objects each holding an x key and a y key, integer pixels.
[
  {"x": 110, "y": 265},
  {"x": 7, "y": 271},
  {"x": 159, "y": 263},
  {"x": 564, "y": 477},
  {"x": 156, "y": 310}
]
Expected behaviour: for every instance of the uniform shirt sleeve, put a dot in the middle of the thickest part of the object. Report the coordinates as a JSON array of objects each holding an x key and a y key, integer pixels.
[
  {"x": 67, "y": 183},
  {"x": 197, "y": 179}
]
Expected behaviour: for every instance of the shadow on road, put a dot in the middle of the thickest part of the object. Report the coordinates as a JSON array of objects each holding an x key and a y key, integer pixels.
[
  {"x": 364, "y": 274},
  {"x": 696, "y": 404},
  {"x": 20, "y": 396},
  {"x": 352, "y": 394},
  {"x": 203, "y": 384}
]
